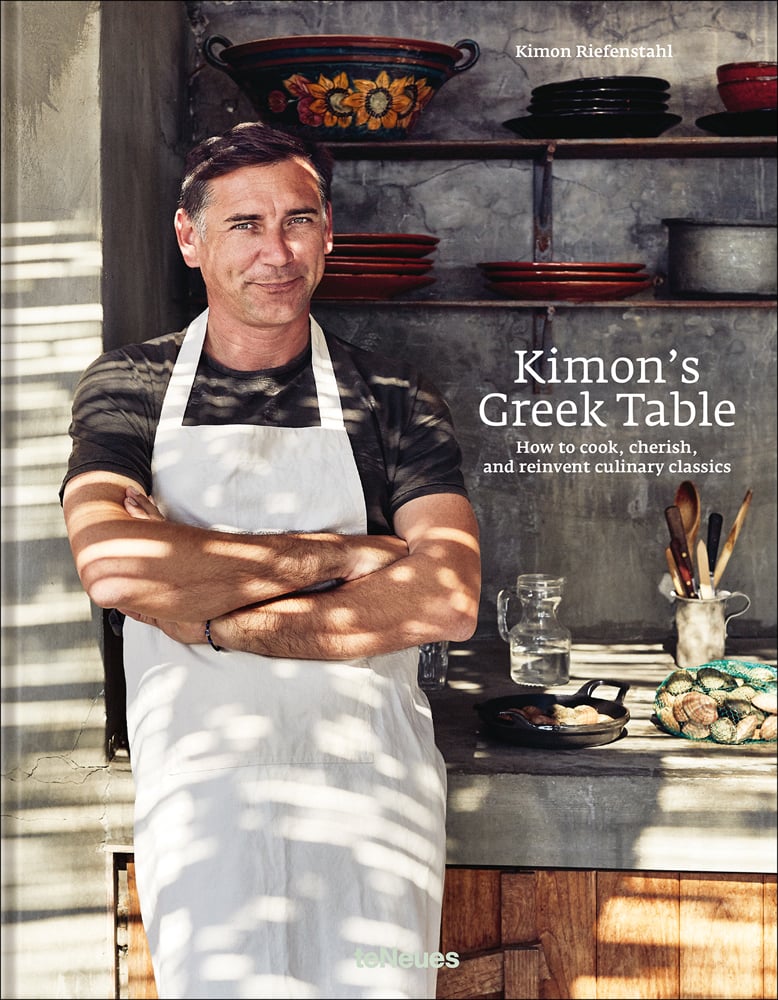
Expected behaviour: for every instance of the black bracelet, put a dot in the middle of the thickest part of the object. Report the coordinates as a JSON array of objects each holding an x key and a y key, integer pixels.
[{"x": 211, "y": 643}]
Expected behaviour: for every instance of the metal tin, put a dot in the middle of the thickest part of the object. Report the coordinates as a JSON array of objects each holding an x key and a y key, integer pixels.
[{"x": 721, "y": 259}]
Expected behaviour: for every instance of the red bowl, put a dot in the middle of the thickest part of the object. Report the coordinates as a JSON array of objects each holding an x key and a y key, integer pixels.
[
  {"x": 749, "y": 95},
  {"x": 745, "y": 70}
]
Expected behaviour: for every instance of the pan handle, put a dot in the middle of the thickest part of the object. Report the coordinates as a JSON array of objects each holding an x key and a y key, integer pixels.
[{"x": 590, "y": 686}]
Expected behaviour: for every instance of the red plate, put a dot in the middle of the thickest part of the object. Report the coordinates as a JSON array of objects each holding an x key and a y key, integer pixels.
[
  {"x": 545, "y": 276},
  {"x": 368, "y": 286},
  {"x": 562, "y": 265},
  {"x": 386, "y": 238},
  {"x": 383, "y": 249},
  {"x": 374, "y": 265},
  {"x": 568, "y": 291}
]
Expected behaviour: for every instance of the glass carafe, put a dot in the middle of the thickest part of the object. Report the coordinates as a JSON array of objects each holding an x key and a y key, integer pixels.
[{"x": 539, "y": 643}]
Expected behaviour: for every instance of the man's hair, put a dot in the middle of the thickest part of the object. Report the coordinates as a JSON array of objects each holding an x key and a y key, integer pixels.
[{"x": 250, "y": 144}]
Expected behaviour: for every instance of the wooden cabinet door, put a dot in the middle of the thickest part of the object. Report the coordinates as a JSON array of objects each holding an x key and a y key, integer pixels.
[
  {"x": 587, "y": 935},
  {"x": 140, "y": 974},
  {"x": 599, "y": 934}
]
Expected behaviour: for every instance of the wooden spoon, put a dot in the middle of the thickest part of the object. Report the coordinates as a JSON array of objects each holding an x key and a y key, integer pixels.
[
  {"x": 687, "y": 500},
  {"x": 726, "y": 551},
  {"x": 707, "y": 593}
]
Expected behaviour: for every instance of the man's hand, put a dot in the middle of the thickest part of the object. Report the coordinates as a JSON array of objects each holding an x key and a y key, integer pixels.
[
  {"x": 190, "y": 633},
  {"x": 140, "y": 506}
]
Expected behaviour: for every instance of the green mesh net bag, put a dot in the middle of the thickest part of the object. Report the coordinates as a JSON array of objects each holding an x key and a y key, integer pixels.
[{"x": 725, "y": 701}]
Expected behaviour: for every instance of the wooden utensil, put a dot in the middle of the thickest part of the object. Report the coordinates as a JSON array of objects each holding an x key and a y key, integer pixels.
[
  {"x": 680, "y": 548},
  {"x": 707, "y": 593},
  {"x": 675, "y": 576},
  {"x": 732, "y": 537},
  {"x": 683, "y": 562},
  {"x": 687, "y": 500}
]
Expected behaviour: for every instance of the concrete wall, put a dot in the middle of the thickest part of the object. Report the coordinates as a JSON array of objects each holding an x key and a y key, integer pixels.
[
  {"x": 96, "y": 118},
  {"x": 91, "y": 108},
  {"x": 54, "y": 773}
]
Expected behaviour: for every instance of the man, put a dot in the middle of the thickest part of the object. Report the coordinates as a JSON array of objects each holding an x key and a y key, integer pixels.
[{"x": 309, "y": 528}]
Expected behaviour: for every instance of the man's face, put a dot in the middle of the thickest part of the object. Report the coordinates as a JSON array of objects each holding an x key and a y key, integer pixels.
[{"x": 261, "y": 251}]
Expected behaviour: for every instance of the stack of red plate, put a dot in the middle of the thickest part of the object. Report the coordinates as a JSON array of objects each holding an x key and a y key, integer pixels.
[
  {"x": 376, "y": 265},
  {"x": 565, "y": 281}
]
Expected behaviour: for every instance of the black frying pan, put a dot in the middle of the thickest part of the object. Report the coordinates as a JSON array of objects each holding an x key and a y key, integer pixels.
[{"x": 519, "y": 731}]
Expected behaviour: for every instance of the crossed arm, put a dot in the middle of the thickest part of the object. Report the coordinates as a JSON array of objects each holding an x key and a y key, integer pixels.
[{"x": 394, "y": 592}]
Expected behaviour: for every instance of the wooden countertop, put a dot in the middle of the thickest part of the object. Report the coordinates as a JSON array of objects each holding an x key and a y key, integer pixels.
[{"x": 648, "y": 801}]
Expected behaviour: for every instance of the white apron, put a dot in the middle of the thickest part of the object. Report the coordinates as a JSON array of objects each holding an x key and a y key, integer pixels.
[{"x": 290, "y": 814}]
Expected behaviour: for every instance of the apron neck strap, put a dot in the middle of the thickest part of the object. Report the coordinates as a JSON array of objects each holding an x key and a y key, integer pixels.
[{"x": 185, "y": 369}]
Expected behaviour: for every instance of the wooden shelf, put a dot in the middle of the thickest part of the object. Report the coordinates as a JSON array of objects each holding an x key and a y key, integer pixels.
[
  {"x": 684, "y": 147},
  {"x": 696, "y": 304},
  {"x": 542, "y": 153}
]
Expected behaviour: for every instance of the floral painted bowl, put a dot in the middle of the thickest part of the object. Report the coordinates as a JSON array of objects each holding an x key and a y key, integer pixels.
[{"x": 340, "y": 87}]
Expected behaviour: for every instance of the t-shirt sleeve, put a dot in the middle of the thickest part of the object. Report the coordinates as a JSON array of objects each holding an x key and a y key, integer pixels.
[
  {"x": 114, "y": 416},
  {"x": 429, "y": 459}
]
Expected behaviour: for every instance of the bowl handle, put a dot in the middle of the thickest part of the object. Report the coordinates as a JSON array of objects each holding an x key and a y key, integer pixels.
[
  {"x": 588, "y": 689},
  {"x": 214, "y": 58},
  {"x": 473, "y": 51}
]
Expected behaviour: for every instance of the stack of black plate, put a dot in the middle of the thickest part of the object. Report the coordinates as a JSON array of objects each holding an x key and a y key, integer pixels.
[{"x": 599, "y": 107}]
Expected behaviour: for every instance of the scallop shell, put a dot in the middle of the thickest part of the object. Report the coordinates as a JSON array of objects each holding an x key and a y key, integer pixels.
[
  {"x": 713, "y": 679},
  {"x": 737, "y": 707},
  {"x": 679, "y": 711},
  {"x": 679, "y": 681},
  {"x": 769, "y": 728},
  {"x": 564, "y": 715},
  {"x": 745, "y": 729},
  {"x": 668, "y": 720},
  {"x": 723, "y": 731},
  {"x": 586, "y": 715},
  {"x": 766, "y": 700},
  {"x": 696, "y": 707},
  {"x": 695, "y": 730},
  {"x": 761, "y": 675}
]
